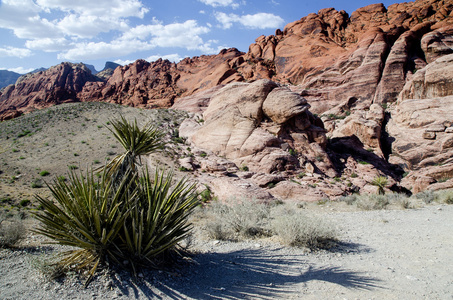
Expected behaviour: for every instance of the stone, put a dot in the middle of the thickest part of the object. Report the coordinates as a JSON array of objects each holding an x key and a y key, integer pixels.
[
  {"x": 429, "y": 135},
  {"x": 309, "y": 168},
  {"x": 281, "y": 105}
]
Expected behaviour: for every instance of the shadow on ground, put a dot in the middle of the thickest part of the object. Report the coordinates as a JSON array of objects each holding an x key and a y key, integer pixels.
[{"x": 243, "y": 274}]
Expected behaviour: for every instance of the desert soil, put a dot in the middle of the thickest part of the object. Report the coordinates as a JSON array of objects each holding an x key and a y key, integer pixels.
[{"x": 387, "y": 254}]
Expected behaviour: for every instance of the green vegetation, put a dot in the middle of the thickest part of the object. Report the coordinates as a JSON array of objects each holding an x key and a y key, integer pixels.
[
  {"x": 24, "y": 202},
  {"x": 44, "y": 173},
  {"x": 124, "y": 217},
  {"x": 380, "y": 182}
]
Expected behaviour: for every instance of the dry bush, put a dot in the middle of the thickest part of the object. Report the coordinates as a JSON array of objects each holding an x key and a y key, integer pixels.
[
  {"x": 250, "y": 219},
  {"x": 445, "y": 196},
  {"x": 426, "y": 196},
  {"x": 11, "y": 233},
  {"x": 296, "y": 228},
  {"x": 243, "y": 220},
  {"x": 48, "y": 266}
]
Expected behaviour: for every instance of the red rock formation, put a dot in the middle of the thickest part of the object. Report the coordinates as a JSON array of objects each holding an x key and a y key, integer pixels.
[
  {"x": 59, "y": 84},
  {"x": 334, "y": 60}
]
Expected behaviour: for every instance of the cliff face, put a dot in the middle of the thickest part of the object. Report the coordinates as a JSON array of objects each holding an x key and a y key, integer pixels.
[{"x": 58, "y": 84}]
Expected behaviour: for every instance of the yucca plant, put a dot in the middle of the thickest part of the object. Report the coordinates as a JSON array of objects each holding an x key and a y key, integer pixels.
[
  {"x": 88, "y": 214},
  {"x": 136, "y": 142},
  {"x": 158, "y": 219},
  {"x": 380, "y": 182},
  {"x": 119, "y": 216}
]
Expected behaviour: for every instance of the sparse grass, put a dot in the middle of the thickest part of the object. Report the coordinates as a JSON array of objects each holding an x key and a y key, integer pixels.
[
  {"x": 246, "y": 219},
  {"x": 426, "y": 196},
  {"x": 48, "y": 266},
  {"x": 298, "y": 229},
  {"x": 36, "y": 184},
  {"x": 250, "y": 219}
]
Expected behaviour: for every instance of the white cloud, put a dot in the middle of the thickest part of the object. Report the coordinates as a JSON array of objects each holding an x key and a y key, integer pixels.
[
  {"x": 112, "y": 8},
  {"x": 82, "y": 18},
  {"x": 256, "y": 21},
  {"x": 22, "y": 16},
  {"x": 171, "y": 57},
  {"x": 20, "y": 70},
  {"x": 15, "y": 52},
  {"x": 224, "y": 3},
  {"x": 92, "y": 50},
  {"x": 144, "y": 37},
  {"x": 87, "y": 26},
  {"x": 49, "y": 44},
  {"x": 123, "y": 62}
]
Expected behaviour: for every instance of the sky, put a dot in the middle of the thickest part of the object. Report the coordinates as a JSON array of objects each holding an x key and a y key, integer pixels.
[{"x": 44, "y": 33}]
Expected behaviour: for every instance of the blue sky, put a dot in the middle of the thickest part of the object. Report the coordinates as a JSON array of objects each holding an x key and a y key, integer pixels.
[{"x": 43, "y": 33}]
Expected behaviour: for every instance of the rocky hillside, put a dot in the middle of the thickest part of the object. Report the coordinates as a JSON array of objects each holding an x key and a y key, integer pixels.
[{"x": 372, "y": 88}]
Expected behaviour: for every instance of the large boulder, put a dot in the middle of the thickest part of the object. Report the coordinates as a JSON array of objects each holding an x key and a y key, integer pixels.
[{"x": 260, "y": 125}]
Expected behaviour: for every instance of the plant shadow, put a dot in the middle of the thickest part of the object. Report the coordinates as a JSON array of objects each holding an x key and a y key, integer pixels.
[{"x": 247, "y": 273}]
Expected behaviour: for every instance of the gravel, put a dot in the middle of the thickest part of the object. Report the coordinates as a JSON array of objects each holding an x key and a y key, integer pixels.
[{"x": 387, "y": 254}]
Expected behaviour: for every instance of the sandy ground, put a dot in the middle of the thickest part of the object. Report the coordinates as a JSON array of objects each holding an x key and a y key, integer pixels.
[{"x": 388, "y": 254}]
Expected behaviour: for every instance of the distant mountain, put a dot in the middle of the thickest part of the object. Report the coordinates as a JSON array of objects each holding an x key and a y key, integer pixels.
[
  {"x": 91, "y": 68},
  {"x": 110, "y": 65},
  {"x": 38, "y": 70},
  {"x": 108, "y": 70},
  {"x": 8, "y": 77}
]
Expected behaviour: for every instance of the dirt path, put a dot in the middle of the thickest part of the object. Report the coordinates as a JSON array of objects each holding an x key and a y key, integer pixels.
[{"x": 398, "y": 254}]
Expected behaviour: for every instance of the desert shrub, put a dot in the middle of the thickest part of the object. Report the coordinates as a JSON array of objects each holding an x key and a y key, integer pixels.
[
  {"x": 24, "y": 202},
  {"x": 206, "y": 195},
  {"x": 85, "y": 217},
  {"x": 242, "y": 220},
  {"x": 11, "y": 233},
  {"x": 36, "y": 184},
  {"x": 300, "y": 230},
  {"x": 48, "y": 266},
  {"x": 372, "y": 202},
  {"x": 350, "y": 199},
  {"x": 44, "y": 173},
  {"x": 444, "y": 196},
  {"x": 426, "y": 196}
]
